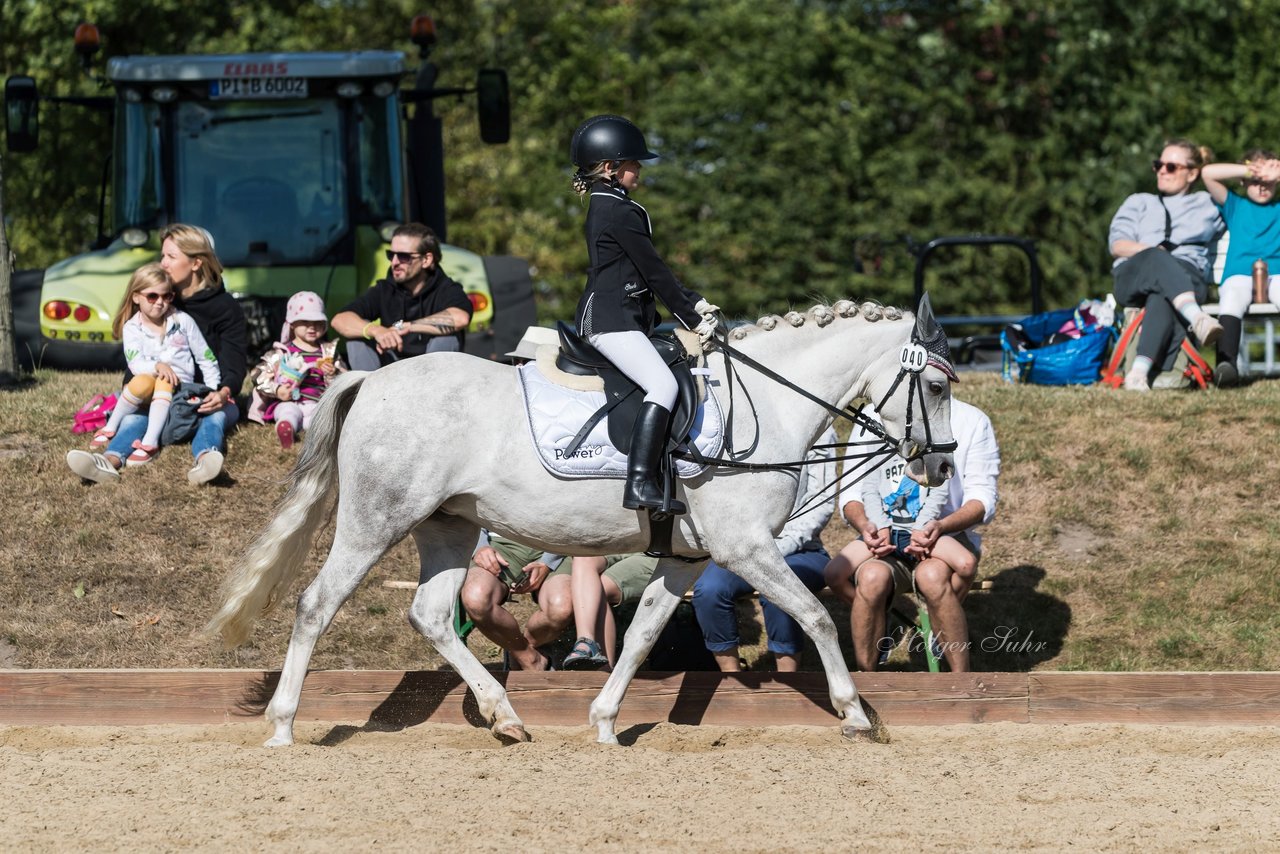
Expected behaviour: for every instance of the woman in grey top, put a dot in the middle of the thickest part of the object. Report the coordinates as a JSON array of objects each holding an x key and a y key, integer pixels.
[{"x": 1161, "y": 245}]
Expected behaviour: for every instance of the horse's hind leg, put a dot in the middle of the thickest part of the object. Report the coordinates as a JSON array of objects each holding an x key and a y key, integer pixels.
[
  {"x": 445, "y": 544},
  {"x": 771, "y": 577},
  {"x": 670, "y": 581},
  {"x": 352, "y": 556}
]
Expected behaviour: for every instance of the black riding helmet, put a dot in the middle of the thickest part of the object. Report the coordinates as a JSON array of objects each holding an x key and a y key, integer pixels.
[{"x": 607, "y": 138}]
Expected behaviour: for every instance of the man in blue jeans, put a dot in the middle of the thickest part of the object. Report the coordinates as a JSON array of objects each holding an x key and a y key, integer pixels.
[{"x": 717, "y": 589}]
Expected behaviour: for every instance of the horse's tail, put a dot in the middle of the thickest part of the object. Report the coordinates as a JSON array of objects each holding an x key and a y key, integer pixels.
[{"x": 272, "y": 562}]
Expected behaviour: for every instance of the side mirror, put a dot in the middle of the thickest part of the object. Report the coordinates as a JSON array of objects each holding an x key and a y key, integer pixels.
[
  {"x": 21, "y": 114},
  {"x": 493, "y": 101}
]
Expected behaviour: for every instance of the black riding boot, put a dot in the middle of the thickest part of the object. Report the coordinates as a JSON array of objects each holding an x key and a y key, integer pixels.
[
  {"x": 644, "y": 465},
  {"x": 1225, "y": 373}
]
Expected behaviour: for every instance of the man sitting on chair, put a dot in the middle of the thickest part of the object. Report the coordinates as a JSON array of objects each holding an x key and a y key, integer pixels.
[
  {"x": 942, "y": 582},
  {"x": 417, "y": 310}
]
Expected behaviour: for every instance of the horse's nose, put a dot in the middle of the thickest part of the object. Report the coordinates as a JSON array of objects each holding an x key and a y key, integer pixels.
[{"x": 946, "y": 469}]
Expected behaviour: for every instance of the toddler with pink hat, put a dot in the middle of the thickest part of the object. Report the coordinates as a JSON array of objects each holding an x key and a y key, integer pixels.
[{"x": 289, "y": 380}]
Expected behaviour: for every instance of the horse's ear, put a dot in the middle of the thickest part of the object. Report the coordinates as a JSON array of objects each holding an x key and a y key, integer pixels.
[
  {"x": 930, "y": 333},
  {"x": 926, "y": 324}
]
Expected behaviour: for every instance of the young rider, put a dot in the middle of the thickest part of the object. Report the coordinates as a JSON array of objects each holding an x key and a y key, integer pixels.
[{"x": 618, "y": 312}]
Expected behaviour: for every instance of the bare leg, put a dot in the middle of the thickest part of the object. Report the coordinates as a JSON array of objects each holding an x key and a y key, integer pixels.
[
  {"x": 588, "y": 597},
  {"x": 786, "y": 663},
  {"x": 867, "y": 615},
  {"x": 728, "y": 661},
  {"x": 950, "y": 626},
  {"x": 483, "y": 596},
  {"x": 608, "y": 625},
  {"x": 555, "y": 611}
]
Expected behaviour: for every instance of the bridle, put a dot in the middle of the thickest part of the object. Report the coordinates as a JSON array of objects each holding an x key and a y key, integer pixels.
[{"x": 914, "y": 358}]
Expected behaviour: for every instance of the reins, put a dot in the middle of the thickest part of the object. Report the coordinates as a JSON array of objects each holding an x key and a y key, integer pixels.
[{"x": 914, "y": 360}]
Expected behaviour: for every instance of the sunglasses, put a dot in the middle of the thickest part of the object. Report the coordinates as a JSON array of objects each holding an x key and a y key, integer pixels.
[
  {"x": 1170, "y": 168},
  {"x": 402, "y": 257},
  {"x": 155, "y": 297}
]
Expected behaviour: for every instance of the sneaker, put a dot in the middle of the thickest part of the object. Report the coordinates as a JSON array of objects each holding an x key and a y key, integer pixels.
[
  {"x": 1207, "y": 329},
  {"x": 284, "y": 432},
  {"x": 92, "y": 467},
  {"x": 1225, "y": 375},
  {"x": 206, "y": 468},
  {"x": 1136, "y": 380}
]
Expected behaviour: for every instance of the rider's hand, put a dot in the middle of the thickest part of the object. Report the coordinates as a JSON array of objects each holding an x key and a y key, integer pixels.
[
  {"x": 284, "y": 391},
  {"x": 707, "y": 328},
  {"x": 704, "y": 308}
]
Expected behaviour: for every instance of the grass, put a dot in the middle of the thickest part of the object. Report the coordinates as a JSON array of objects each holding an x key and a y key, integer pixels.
[{"x": 1134, "y": 533}]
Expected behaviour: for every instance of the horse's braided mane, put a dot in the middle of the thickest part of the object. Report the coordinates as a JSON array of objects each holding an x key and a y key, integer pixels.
[{"x": 822, "y": 315}]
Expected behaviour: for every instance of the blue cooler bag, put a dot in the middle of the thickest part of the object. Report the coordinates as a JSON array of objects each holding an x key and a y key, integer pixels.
[{"x": 1063, "y": 360}]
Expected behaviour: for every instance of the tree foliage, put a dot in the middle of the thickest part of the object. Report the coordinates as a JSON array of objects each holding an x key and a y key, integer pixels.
[{"x": 802, "y": 141}]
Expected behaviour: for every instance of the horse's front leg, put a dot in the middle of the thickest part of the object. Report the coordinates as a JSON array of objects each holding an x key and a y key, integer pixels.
[
  {"x": 444, "y": 547},
  {"x": 766, "y": 571},
  {"x": 670, "y": 581}
]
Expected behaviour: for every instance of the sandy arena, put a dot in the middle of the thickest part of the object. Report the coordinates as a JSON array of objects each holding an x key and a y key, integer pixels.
[{"x": 437, "y": 787}]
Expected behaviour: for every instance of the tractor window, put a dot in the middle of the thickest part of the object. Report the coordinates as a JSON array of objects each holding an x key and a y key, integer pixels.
[
  {"x": 267, "y": 179},
  {"x": 380, "y": 177},
  {"x": 139, "y": 189}
]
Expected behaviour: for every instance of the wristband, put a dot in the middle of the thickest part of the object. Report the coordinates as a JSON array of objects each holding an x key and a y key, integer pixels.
[{"x": 365, "y": 331}]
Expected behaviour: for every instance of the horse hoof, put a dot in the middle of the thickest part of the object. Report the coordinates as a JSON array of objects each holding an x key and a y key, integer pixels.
[
  {"x": 877, "y": 733},
  {"x": 511, "y": 734},
  {"x": 278, "y": 741}
]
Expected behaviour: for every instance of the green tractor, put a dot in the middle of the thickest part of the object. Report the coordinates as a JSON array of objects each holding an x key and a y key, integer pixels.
[{"x": 299, "y": 164}]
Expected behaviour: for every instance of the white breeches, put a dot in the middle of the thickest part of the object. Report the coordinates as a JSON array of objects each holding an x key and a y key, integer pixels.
[{"x": 632, "y": 353}]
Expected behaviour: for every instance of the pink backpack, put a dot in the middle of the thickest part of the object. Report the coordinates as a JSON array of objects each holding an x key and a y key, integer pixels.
[{"x": 93, "y": 415}]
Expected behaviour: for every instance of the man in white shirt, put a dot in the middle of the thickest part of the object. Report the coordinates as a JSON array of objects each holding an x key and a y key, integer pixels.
[{"x": 971, "y": 501}]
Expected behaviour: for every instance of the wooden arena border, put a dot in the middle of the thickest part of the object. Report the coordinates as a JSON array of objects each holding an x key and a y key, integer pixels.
[{"x": 394, "y": 699}]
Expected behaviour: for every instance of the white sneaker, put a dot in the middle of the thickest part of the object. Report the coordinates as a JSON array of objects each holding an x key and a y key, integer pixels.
[
  {"x": 94, "y": 467},
  {"x": 1206, "y": 328},
  {"x": 206, "y": 468},
  {"x": 1136, "y": 380}
]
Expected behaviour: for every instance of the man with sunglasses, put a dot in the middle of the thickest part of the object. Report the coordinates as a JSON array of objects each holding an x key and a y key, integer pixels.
[{"x": 417, "y": 309}]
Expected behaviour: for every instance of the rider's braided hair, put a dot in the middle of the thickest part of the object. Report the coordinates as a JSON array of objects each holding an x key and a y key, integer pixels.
[{"x": 584, "y": 178}]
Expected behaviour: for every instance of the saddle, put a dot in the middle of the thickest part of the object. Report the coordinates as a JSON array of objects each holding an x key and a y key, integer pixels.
[{"x": 623, "y": 397}]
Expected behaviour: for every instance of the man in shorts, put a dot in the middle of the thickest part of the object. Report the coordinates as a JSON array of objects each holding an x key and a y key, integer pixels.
[
  {"x": 941, "y": 581},
  {"x": 501, "y": 567}
]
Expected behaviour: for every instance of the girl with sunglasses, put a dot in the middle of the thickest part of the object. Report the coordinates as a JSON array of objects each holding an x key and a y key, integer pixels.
[
  {"x": 1254, "y": 222},
  {"x": 163, "y": 347},
  {"x": 1161, "y": 245}
]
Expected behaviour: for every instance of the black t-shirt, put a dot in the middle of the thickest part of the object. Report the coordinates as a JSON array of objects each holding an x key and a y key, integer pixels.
[{"x": 387, "y": 302}]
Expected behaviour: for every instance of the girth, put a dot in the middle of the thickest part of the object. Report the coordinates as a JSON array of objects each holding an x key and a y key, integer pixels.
[{"x": 622, "y": 396}]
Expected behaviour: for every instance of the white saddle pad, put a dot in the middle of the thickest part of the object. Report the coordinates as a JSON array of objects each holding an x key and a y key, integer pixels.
[{"x": 556, "y": 414}]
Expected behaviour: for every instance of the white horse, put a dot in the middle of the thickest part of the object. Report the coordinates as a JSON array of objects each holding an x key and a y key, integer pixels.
[{"x": 436, "y": 447}]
